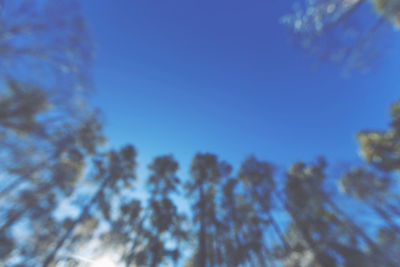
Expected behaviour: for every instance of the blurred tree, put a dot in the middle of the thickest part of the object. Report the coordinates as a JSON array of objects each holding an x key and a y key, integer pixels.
[
  {"x": 344, "y": 31},
  {"x": 374, "y": 191},
  {"x": 320, "y": 233},
  {"x": 204, "y": 188},
  {"x": 378, "y": 188},
  {"x": 47, "y": 136},
  {"x": 389, "y": 242},
  {"x": 116, "y": 172},
  {"x": 161, "y": 230},
  {"x": 166, "y": 223},
  {"x": 242, "y": 236},
  {"x": 45, "y": 39},
  {"x": 311, "y": 221},
  {"x": 389, "y": 10},
  {"x": 381, "y": 148},
  {"x": 42, "y": 159},
  {"x": 259, "y": 186}
]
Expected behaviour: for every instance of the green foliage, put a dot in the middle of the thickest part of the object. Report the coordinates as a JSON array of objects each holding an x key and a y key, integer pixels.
[
  {"x": 363, "y": 184},
  {"x": 382, "y": 148},
  {"x": 389, "y": 9}
]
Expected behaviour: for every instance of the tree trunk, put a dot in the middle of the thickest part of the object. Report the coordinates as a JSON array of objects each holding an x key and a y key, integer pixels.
[
  {"x": 73, "y": 225},
  {"x": 303, "y": 231},
  {"x": 371, "y": 244},
  {"x": 278, "y": 232},
  {"x": 15, "y": 217},
  {"x": 386, "y": 217},
  {"x": 202, "y": 257}
]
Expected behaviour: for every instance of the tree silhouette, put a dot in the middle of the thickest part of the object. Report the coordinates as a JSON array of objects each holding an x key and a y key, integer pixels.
[
  {"x": 47, "y": 137},
  {"x": 43, "y": 159},
  {"x": 166, "y": 222},
  {"x": 259, "y": 187},
  {"x": 160, "y": 231},
  {"x": 207, "y": 173},
  {"x": 120, "y": 167}
]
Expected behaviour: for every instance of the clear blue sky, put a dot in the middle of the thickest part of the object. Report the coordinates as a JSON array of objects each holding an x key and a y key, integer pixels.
[{"x": 183, "y": 76}]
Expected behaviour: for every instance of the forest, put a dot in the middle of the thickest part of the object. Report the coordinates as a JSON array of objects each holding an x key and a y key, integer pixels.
[{"x": 69, "y": 199}]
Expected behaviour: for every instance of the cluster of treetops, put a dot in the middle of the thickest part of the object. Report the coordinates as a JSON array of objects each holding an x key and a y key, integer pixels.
[
  {"x": 66, "y": 196},
  {"x": 63, "y": 193}
]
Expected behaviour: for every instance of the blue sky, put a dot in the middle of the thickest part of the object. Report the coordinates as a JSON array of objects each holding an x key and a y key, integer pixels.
[{"x": 222, "y": 76}]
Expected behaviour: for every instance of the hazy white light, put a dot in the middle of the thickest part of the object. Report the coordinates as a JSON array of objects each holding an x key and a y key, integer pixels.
[
  {"x": 330, "y": 8},
  {"x": 104, "y": 262},
  {"x": 297, "y": 24}
]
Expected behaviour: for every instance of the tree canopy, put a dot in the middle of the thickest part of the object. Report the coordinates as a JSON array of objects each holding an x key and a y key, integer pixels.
[
  {"x": 352, "y": 33},
  {"x": 67, "y": 199}
]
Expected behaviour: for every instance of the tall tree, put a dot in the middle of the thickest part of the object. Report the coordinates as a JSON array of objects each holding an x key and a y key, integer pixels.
[
  {"x": 46, "y": 135},
  {"x": 373, "y": 190},
  {"x": 116, "y": 172},
  {"x": 204, "y": 186},
  {"x": 259, "y": 187},
  {"x": 42, "y": 159},
  {"x": 166, "y": 223},
  {"x": 319, "y": 230}
]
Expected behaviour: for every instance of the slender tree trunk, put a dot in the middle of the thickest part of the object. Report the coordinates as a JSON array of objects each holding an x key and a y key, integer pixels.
[
  {"x": 13, "y": 218},
  {"x": 219, "y": 234},
  {"x": 338, "y": 20},
  {"x": 11, "y": 186},
  {"x": 237, "y": 247},
  {"x": 357, "y": 229},
  {"x": 364, "y": 37},
  {"x": 262, "y": 259},
  {"x": 303, "y": 230},
  {"x": 371, "y": 244},
  {"x": 155, "y": 253},
  {"x": 278, "y": 231},
  {"x": 394, "y": 209},
  {"x": 131, "y": 255},
  {"x": 387, "y": 218},
  {"x": 154, "y": 258},
  {"x": 22, "y": 178},
  {"x": 345, "y": 15},
  {"x": 202, "y": 257},
  {"x": 212, "y": 248},
  {"x": 73, "y": 225}
]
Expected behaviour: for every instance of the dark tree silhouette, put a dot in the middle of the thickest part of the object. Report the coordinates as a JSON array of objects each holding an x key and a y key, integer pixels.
[{"x": 207, "y": 173}]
